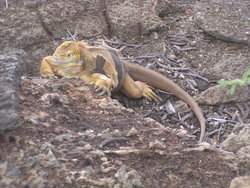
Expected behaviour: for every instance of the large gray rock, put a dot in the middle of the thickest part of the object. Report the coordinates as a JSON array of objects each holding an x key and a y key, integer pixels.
[
  {"x": 238, "y": 141},
  {"x": 21, "y": 29},
  {"x": 225, "y": 20},
  {"x": 220, "y": 94},
  {"x": 134, "y": 19},
  {"x": 11, "y": 69},
  {"x": 228, "y": 68},
  {"x": 32, "y": 23},
  {"x": 240, "y": 182}
]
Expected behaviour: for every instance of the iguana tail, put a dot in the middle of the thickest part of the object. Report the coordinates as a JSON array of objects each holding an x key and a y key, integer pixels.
[{"x": 159, "y": 81}]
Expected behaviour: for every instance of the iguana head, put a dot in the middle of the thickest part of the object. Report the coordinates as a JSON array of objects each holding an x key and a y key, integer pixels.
[{"x": 68, "y": 54}]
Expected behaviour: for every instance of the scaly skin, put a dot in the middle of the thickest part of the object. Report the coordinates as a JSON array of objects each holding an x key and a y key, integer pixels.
[{"x": 102, "y": 67}]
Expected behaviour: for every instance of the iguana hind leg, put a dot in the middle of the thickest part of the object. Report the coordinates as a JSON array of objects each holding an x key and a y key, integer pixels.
[{"x": 137, "y": 89}]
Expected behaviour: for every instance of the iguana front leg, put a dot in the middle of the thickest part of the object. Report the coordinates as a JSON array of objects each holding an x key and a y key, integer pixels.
[
  {"x": 47, "y": 69},
  {"x": 100, "y": 81},
  {"x": 137, "y": 89}
]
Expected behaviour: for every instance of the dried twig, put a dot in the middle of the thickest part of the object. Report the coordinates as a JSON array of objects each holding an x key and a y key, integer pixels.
[
  {"x": 148, "y": 56},
  {"x": 112, "y": 140},
  {"x": 163, "y": 66},
  {"x": 92, "y": 36},
  {"x": 73, "y": 37},
  {"x": 188, "y": 115},
  {"x": 188, "y": 49},
  {"x": 217, "y": 119},
  {"x": 178, "y": 37},
  {"x": 182, "y": 69},
  {"x": 212, "y": 132},
  {"x": 183, "y": 43},
  {"x": 219, "y": 132},
  {"x": 168, "y": 60},
  {"x": 122, "y": 43},
  {"x": 111, "y": 48},
  {"x": 122, "y": 48},
  {"x": 197, "y": 76},
  {"x": 183, "y": 123},
  {"x": 6, "y": 4},
  {"x": 164, "y": 92},
  {"x": 192, "y": 84},
  {"x": 193, "y": 73},
  {"x": 233, "y": 116}
]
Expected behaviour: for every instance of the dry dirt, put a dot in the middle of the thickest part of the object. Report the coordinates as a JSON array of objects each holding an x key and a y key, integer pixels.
[{"x": 65, "y": 118}]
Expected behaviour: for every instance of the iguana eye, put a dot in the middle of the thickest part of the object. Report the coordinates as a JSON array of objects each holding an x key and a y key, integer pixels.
[{"x": 70, "y": 55}]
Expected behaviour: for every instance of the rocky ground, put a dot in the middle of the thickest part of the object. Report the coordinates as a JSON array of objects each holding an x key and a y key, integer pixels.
[
  {"x": 69, "y": 136},
  {"x": 66, "y": 141}
]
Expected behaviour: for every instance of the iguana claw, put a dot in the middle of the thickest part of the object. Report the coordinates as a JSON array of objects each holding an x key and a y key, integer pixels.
[
  {"x": 102, "y": 83},
  {"x": 150, "y": 95},
  {"x": 102, "y": 91}
]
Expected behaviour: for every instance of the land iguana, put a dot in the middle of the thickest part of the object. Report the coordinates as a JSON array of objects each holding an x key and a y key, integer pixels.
[{"x": 103, "y": 67}]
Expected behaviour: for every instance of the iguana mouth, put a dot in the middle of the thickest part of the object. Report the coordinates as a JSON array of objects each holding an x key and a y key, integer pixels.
[{"x": 65, "y": 64}]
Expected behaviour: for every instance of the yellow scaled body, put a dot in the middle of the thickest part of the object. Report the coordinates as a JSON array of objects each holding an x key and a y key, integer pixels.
[
  {"x": 102, "y": 67},
  {"x": 98, "y": 65}
]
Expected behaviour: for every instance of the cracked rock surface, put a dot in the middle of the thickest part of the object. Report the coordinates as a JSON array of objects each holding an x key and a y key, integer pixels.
[
  {"x": 232, "y": 20},
  {"x": 11, "y": 70}
]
